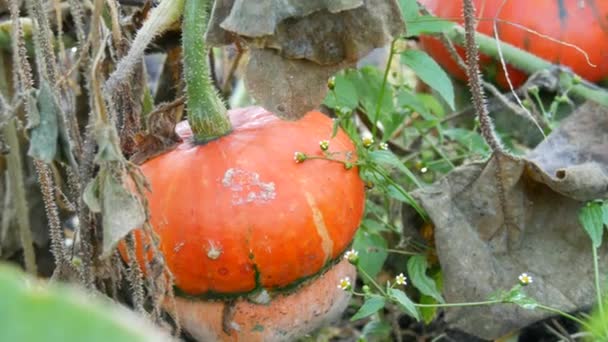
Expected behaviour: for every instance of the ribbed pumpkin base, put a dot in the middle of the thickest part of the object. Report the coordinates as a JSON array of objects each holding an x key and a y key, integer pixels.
[{"x": 285, "y": 318}]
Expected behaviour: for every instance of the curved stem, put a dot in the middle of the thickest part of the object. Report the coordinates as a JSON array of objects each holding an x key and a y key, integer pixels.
[
  {"x": 564, "y": 314},
  {"x": 206, "y": 112}
]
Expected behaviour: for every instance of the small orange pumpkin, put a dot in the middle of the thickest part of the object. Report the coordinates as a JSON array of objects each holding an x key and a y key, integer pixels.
[{"x": 239, "y": 214}]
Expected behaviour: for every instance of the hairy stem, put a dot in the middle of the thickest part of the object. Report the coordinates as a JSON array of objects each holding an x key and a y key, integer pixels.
[
  {"x": 474, "y": 76},
  {"x": 15, "y": 172},
  {"x": 206, "y": 112}
]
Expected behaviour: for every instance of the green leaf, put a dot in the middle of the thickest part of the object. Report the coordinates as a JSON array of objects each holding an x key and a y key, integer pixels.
[
  {"x": 369, "y": 307},
  {"x": 430, "y": 73},
  {"x": 404, "y": 302},
  {"x": 428, "y": 313},
  {"x": 605, "y": 210},
  {"x": 409, "y": 10},
  {"x": 427, "y": 24},
  {"x": 372, "y": 251},
  {"x": 416, "y": 269},
  {"x": 379, "y": 328},
  {"x": 405, "y": 98},
  {"x": 343, "y": 95},
  {"x": 387, "y": 158},
  {"x": 44, "y": 123},
  {"x": 592, "y": 218},
  {"x": 470, "y": 140},
  {"x": 516, "y": 296},
  {"x": 34, "y": 311}
]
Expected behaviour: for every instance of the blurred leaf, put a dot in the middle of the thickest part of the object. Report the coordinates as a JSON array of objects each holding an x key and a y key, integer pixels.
[
  {"x": 91, "y": 195},
  {"x": 343, "y": 95},
  {"x": 45, "y": 129},
  {"x": 409, "y": 10},
  {"x": 592, "y": 218},
  {"x": 428, "y": 313},
  {"x": 372, "y": 251},
  {"x": 430, "y": 73},
  {"x": 470, "y": 140},
  {"x": 405, "y": 98},
  {"x": 374, "y": 226},
  {"x": 404, "y": 302},
  {"x": 416, "y": 269},
  {"x": 432, "y": 104},
  {"x": 387, "y": 158},
  {"x": 33, "y": 311},
  {"x": 369, "y": 307},
  {"x": 427, "y": 24},
  {"x": 377, "y": 328}
]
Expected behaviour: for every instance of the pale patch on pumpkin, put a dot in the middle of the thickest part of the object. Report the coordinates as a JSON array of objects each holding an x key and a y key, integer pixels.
[
  {"x": 214, "y": 250},
  {"x": 317, "y": 216},
  {"x": 247, "y": 187}
]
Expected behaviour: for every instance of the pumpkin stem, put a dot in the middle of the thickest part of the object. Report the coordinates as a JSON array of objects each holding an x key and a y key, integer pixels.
[{"x": 206, "y": 111}]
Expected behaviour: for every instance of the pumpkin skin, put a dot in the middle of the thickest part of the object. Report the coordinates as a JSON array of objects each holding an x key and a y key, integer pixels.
[
  {"x": 238, "y": 214},
  {"x": 584, "y": 26},
  {"x": 285, "y": 318}
]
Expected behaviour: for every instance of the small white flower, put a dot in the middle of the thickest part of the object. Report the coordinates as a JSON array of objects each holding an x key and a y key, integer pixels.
[
  {"x": 367, "y": 139},
  {"x": 352, "y": 256},
  {"x": 401, "y": 279},
  {"x": 424, "y": 170},
  {"x": 525, "y": 279},
  {"x": 383, "y": 146},
  {"x": 299, "y": 157},
  {"x": 344, "y": 284},
  {"x": 324, "y": 145}
]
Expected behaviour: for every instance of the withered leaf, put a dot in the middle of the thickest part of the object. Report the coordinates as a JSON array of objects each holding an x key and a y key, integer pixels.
[
  {"x": 483, "y": 243},
  {"x": 121, "y": 210},
  {"x": 44, "y": 125}
]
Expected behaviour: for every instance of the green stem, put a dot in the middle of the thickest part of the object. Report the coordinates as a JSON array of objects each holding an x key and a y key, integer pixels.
[
  {"x": 564, "y": 314},
  {"x": 598, "y": 289},
  {"x": 206, "y": 112},
  {"x": 451, "y": 305},
  {"x": 529, "y": 63},
  {"x": 373, "y": 281},
  {"x": 384, "y": 81}
]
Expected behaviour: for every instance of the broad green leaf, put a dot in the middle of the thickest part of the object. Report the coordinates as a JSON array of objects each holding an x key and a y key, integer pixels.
[
  {"x": 430, "y": 73},
  {"x": 404, "y": 302},
  {"x": 591, "y": 217},
  {"x": 409, "y": 10},
  {"x": 405, "y": 98},
  {"x": 427, "y": 24},
  {"x": 34, "y": 311},
  {"x": 369, "y": 307},
  {"x": 605, "y": 210},
  {"x": 428, "y": 313},
  {"x": 372, "y": 251},
  {"x": 387, "y": 158},
  {"x": 343, "y": 95},
  {"x": 416, "y": 269},
  {"x": 377, "y": 328}
]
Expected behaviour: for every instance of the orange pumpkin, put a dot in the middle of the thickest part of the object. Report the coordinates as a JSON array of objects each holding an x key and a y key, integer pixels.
[
  {"x": 239, "y": 214},
  {"x": 582, "y": 23}
]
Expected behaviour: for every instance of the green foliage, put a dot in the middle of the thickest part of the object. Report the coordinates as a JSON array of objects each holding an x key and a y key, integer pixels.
[
  {"x": 372, "y": 247},
  {"x": 416, "y": 268},
  {"x": 371, "y": 305},
  {"x": 404, "y": 302},
  {"x": 33, "y": 311},
  {"x": 430, "y": 73},
  {"x": 593, "y": 217}
]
